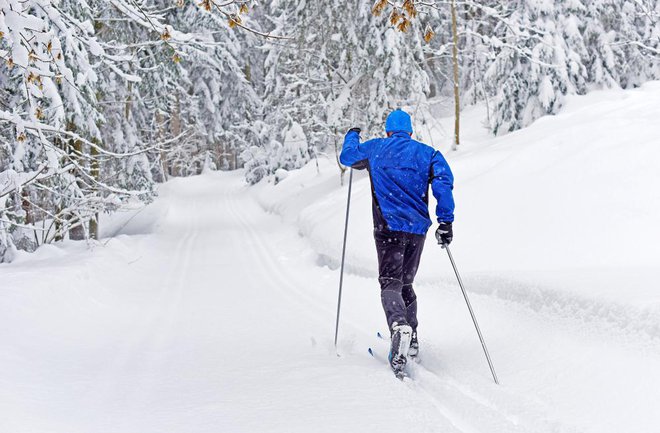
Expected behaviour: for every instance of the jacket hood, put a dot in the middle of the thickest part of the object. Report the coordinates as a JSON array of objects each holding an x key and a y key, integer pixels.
[{"x": 398, "y": 121}]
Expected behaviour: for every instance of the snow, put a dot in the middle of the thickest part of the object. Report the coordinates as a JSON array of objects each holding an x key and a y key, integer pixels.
[{"x": 213, "y": 308}]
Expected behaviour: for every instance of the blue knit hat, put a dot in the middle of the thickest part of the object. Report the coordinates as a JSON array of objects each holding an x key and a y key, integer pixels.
[{"x": 398, "y": 121}]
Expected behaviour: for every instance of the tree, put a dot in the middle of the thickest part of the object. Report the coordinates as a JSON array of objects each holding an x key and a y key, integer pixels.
[
  {"x": 454, "y": 57},
  {"x": 527, "y": 55},
  {"x": 343, "y": 68},
  {"x": 97, "y": 97}
]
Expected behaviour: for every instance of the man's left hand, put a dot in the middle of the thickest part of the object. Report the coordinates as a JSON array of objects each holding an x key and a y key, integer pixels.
[{"x": 444, "y": 234}]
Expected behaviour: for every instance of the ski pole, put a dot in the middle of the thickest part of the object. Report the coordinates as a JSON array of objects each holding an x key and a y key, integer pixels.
[
  {"x": 343, "y": 254},
  {"x": 474, "y": 319}
]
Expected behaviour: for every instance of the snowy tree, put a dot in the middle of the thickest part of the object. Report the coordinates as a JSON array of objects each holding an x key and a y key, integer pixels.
[
  {"x": 623, "y": 41},
  {"x": 344, "y": 67},
  {"x": 50, "y": 52},
  {"x": 534, "y": 66},
  {"x": 100, "y": 96},
  {"x": 101, "y": 100},
  {"x": 527, "y": 55},
  {"x": 546, "y": 50}
]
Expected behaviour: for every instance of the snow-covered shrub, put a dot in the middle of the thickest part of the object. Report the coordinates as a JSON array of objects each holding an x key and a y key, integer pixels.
[
  {"x": 525, "y": 56},
  {"x": 344, "y": 68},
  {"x": 258, "y": 161},
  {"x": 98, "y": 102},
  {"x": 543, "y": 51}
]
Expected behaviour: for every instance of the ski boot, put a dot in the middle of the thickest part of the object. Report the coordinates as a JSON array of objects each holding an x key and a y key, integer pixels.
[
  {"x": 401, "y": 335},
  {"x": 414, "y": 346}
]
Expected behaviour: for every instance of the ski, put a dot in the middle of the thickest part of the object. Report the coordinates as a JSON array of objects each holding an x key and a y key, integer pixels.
[{"x": 401, "y": 375}]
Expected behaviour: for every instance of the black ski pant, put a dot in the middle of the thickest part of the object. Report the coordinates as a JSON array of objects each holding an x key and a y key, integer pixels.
[{"x": 398, "y": 260}]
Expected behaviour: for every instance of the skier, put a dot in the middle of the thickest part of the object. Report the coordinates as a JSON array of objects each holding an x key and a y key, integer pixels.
[{"x": 400, "y": 170}]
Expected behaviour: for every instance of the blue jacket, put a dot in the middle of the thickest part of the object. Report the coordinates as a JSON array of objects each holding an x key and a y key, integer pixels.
[{"x": 401, "y": 170}]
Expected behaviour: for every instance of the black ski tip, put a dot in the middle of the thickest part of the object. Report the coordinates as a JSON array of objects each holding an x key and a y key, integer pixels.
[
  {"x": 379, "y": 335},
  {"x": 371, "y": 352}
]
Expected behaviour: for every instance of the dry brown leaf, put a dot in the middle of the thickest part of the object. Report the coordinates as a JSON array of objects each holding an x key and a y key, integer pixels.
[
  {"x": 379, "y": 7},
  {"x": 234, "y": 20},
  {"x": 404, "y": 25},
  {"x": 395, "y": 16},
  {"x": 409, "y": 7},
  {"x": 428, "y": 34}
]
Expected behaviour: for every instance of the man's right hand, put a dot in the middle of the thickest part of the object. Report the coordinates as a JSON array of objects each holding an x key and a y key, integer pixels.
[
  {"x": 444, "y": 234},
  {"x": 358, "y": 130}
]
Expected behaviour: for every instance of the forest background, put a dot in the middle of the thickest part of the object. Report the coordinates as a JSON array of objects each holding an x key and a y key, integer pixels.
[{"x": 102, "y": 100}]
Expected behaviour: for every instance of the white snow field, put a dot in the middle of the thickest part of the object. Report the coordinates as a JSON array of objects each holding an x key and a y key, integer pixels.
[{"x": 213, "y": 309}]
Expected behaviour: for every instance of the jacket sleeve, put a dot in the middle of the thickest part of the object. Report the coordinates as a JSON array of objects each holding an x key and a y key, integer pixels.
[
  {"x": 353, "y": 153},
  {"x": 442, "y": 184}
]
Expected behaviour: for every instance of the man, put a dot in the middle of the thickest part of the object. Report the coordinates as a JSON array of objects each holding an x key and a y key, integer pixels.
[{"x": 401, "y": 170}]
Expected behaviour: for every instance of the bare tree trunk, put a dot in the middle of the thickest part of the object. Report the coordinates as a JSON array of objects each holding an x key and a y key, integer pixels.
[
  {"x": 57, "y": 222},
  {"x": 59, "y": 233},
  {"x": 163, "y": 153},
  {"x": 29, "y": 217},
  {"x": 454, "y": 56},
  {"x": 94, "y": 227},
  {"x": 175, "y": 130},
  {"x": 129, "y": 101},
  {"x": 76, "y": 233},
  {"x": 25, "y": 197},
  {"x": 96, "y": 172}
]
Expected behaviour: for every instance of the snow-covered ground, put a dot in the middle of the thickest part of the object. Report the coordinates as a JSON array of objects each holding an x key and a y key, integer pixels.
[{"x": 213, "y": 309}]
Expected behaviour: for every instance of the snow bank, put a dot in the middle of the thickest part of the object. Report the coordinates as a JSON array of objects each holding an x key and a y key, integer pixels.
[
  {"x": 564, "y": 211},
  {"x": 207, "y": 314}
]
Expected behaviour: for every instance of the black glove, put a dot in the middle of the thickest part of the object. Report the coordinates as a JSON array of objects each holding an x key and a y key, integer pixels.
[
  {"x": 358, "y": 130},
  {"x": 444, "y": 234}
]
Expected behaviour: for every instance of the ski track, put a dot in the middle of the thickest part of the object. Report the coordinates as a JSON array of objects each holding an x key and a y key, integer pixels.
[
  {"x": 467, "y": 410},
  {"x": 455, "y": 404},
  {"x": 589, "y": 320},
  {"x": 638, "y": 323},
  {"x": 150, "y": 359},
  {"x": 287, "y": 284},
  {"x": 153, "y": 330},
  {"x": 641, "y": 323}
]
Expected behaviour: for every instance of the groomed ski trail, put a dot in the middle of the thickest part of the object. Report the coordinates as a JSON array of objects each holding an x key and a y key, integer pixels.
[{"x": 221, "y": 320}]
